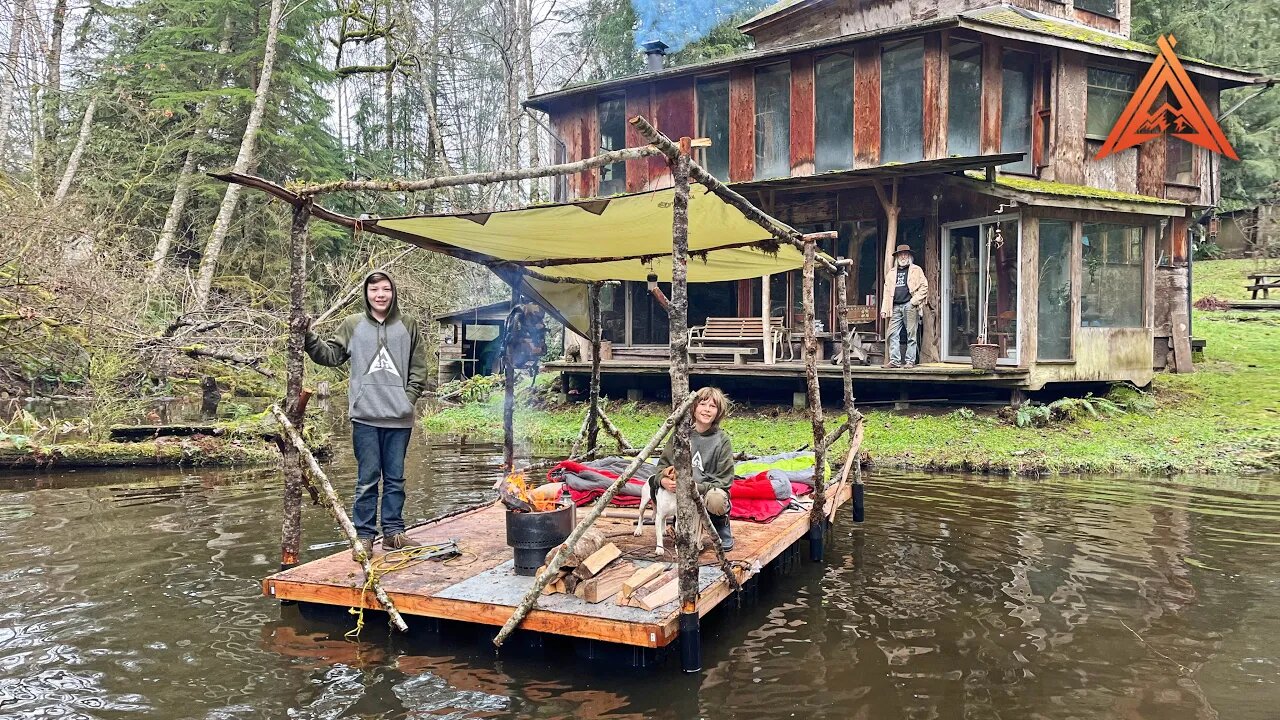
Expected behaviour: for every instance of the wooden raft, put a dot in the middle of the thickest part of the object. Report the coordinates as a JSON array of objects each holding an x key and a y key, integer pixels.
[{"x": 417, "y": 590}]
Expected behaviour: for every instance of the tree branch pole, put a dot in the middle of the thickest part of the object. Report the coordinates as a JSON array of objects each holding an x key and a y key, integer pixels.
[
  {"x": 855, "y": 448},
  {"x": 593, "y": 395},
  {"x": 813, "y": 395},
  {"x": 687, "y": 517},
  {"x": 509, "y": 394},
  {"x": 485, "y": 178},
  {"x": 718, "y": 547},
  {"x": 853, "y": 418},
  {"x": 783, "y": 232},
  {"x": 344, "y": 522},
  {"x": 291, "y": 525},
  {"x": 562, "y": 551},
  {"x": 607, "y": 425}
]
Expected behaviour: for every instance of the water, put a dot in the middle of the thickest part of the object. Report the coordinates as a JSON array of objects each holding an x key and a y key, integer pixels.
[{"x": 136, "y": 593}]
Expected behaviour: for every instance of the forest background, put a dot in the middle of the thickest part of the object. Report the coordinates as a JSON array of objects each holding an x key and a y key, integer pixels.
[{"x": 125, "y": 270}]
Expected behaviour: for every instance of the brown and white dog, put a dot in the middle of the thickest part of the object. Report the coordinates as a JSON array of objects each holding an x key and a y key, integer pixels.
[{"x": 664, "y": 506}]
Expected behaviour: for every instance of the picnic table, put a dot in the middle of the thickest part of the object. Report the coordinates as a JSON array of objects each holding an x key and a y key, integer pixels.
[{"x": 1264, "y": 283}]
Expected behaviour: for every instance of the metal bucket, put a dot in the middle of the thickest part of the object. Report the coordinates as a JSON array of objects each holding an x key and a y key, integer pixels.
[
  {"x": 984, "y": 356},
  {"x": 531, "y": 535}
]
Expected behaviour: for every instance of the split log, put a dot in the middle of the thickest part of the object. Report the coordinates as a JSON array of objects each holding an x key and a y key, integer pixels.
[
  {"x": 639, "y": 578},
  {"x": 340, "y": 514},
  {"x": 606, "y": 584},
  {"x": 591, "y": 541},
  {"x": 561, "y": 552},
  {"x": 484, "y": 178},
  {"x": 777, "y": 229},
  {"x": 597, "y": 561},
  {"x": 661, "y": 594}
]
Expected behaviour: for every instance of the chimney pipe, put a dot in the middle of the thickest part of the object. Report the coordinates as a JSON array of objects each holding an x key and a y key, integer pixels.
[{"x": 654, "y": 53}]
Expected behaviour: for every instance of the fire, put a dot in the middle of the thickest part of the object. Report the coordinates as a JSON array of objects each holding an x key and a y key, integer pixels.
[{"x": 541, "y": 499}]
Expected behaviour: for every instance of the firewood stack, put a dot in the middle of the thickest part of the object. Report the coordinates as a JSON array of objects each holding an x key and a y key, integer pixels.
[{"x": 595, "y": 571}]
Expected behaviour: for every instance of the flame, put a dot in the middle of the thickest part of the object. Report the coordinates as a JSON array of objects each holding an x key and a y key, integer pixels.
[{"x": 518, "y": 487}]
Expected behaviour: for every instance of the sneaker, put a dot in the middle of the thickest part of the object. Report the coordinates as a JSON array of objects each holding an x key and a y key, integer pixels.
[
  {"x": 367, "y": 544},
  {"x": 399, "y": 541}
]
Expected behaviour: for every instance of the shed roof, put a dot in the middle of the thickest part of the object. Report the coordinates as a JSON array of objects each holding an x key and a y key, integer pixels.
[
  {"x": 492, "y": 311},
  {"x": 1056, "y": 194}
]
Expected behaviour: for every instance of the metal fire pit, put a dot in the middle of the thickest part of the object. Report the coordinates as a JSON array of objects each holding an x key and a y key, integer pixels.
[{"x": 532, "y": 534}]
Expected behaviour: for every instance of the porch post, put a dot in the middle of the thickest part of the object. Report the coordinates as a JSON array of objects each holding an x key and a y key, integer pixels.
[
  {"x": 817, "y": 516},
  {"x": 891, "y": 210},
  {"x": 686, "y": 500},
  {"x": 766, "y": 318}
]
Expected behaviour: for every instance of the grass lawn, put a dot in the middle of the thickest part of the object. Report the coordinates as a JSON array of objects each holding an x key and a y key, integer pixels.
[
  {"x": 1225, "y": 279},
  {"x": 1225, "y": 417}
]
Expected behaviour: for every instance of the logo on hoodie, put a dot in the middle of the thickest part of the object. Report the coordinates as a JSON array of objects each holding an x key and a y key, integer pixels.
[
  {"x": 382, "y": 363},
  {"x": 697, "y": 460}
]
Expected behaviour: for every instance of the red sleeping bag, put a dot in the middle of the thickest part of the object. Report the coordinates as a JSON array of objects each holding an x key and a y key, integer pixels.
[{"x": 753, "y": 497}]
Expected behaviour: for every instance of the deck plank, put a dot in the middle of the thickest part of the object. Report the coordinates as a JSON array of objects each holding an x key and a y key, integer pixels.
[{"x": 416, "y": 590}]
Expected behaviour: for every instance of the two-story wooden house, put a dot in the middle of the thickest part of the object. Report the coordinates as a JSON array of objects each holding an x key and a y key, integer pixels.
[{"x": 1081, "y": 258}]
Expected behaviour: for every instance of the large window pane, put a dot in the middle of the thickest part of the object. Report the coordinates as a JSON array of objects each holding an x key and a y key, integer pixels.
[
  {"x": 834, "y": 112},
  {"x": 613, "y": 312},
  {"x": 773, "y": 121},
  {"x": 982, "y": 257},
  {"x": 1111, "y": 286},
  {"x": 1017, "y": 70},
  {"x": 1054, "y": 328},
  {"x": 1109, "y": 92},
  {"x": 713, "y": 123},
  {"x": 649, "y": 322},
  {"x": 1102, "y": 7},
  {"x": 964, "y": 98},
  {"x": 902, "y": 102},
  {"x": 612, "y": 115},
  {"x": 1179, "y": 160}
]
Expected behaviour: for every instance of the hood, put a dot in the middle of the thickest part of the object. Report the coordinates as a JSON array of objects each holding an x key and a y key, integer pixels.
[{"x": 393, "y": 312}]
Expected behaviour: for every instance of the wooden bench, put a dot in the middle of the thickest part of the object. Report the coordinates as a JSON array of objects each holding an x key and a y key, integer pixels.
[
  {"x": 737, "y": 336},
  {"x": 1264, "y": 283}
]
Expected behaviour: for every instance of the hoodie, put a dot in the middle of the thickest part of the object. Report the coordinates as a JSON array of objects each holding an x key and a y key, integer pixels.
[
  {"x": 712, "y": 458},
  {"x": 388, "y": 363}
]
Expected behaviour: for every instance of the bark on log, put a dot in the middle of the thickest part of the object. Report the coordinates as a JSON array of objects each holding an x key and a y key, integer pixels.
[
  {"x": 607, "y": 425},
  {"x": 253, "y": 363},
  {"x": 553, "y": 566},
  {"x": 687, "y": 517},
  {"x": 291, "y": 524},
  {"x": 783, "y": 232},
  {"x": 855, "y": 448},
  {"x": 593, "y": 396},
  {"x": 340, "y": 514},
  {"x": 718, "y": 547},
  {"x": 812, "y": 391},
  {"x": 485, "y": 178},
  {"x": 509, "y": 395}
]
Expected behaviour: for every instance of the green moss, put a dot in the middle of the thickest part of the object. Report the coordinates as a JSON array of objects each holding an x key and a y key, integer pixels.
[
  {"x": 175, "y": 452},
  {"x": 1220, "y": 419},
  {"x": 1045, "y": 187}
]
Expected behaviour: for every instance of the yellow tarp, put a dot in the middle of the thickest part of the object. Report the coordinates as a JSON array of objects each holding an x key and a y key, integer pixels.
[{"x": 622, "y": 226}]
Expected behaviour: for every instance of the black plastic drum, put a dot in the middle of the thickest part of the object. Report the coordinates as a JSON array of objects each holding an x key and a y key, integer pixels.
[{"x": 532, "y": 535}]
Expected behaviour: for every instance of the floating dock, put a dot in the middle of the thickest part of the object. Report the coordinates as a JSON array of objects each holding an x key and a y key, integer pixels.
[{"x": 480, "y": 588}]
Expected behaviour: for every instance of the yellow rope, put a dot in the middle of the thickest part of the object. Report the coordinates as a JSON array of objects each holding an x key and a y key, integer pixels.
[{"x": 389, "y": 563}]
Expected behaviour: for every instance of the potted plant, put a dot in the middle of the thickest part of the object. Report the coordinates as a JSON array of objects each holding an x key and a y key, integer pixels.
[{"x": 983, "y": 355}]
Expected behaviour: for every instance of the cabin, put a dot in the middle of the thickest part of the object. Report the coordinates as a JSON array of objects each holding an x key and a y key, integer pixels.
[
  {"x": 1084, "y": 261},
  {"x": 468, "y": 341}
]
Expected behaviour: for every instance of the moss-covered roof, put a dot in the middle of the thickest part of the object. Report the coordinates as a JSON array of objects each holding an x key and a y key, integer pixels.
[
  {"x": 1011, "y": 18},
  {"x": 1045, "y": 187}
]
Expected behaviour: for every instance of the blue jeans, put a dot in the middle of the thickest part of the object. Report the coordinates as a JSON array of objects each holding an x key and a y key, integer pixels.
[
  {"x": 910, "y": 315},
  {"x": 379, "y": 456}
]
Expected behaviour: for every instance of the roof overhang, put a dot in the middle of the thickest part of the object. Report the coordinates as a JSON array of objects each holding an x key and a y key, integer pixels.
[
  {"x": 840, "y": 179},
  {"x": 1075, "y": 197}
]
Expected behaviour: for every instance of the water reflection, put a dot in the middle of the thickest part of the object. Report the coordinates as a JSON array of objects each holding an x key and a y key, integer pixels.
[{"x": 137, "y": 592}]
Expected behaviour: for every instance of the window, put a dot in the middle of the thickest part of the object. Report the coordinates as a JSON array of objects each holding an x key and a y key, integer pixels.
[
  {"x": 1053, "y": 340},
  {"x": 833, "y": 99},
  {"x": 1179, "y": 161},
  {"x": 713, "y": 123},
  {"x": 902, "y": 102},
  {"x": 773, "y": 121},
  {"x": 1111, "y": 287},
  {"x": 1017, "y": 74},
  {"x": 612, "y": 115},
  {"x": 1101, "y": 7},
  {"x": 964, "y": 98},
  {"x": 1109, "y": 92}
]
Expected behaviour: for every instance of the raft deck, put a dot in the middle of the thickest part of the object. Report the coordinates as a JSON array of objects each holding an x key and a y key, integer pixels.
[{"x": 480, "y": 587}]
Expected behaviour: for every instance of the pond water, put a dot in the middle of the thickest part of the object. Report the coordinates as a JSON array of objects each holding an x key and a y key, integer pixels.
[{"x": 136, "y": 593}]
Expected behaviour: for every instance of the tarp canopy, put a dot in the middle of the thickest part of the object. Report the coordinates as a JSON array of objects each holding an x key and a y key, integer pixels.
[{"x": 630, "y": 233}]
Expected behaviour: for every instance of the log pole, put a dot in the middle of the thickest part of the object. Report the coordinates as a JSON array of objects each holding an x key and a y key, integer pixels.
[
  {"x": 509, "y": 394},
  {"x": 331, "y": 501},
  {"x": 291, "y": 523},
  {"x": 853, "y": 418},
  {"x": 593, "y": 395},
  {"x": 817, "y": 519},
  {"x": 562, "y": 551},
  {"x": 687, "y": 517}
]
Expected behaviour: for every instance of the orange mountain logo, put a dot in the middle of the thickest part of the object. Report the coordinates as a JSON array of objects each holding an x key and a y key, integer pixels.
[{"x": 1180, "y": 112}]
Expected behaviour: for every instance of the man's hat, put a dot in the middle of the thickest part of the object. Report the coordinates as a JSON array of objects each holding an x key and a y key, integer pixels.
[{"x": 902, "y": 249}]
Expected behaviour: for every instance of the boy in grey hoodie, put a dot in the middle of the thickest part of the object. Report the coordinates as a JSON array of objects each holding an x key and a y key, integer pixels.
[
  {"x": 388, "y": 375},
  {"x": 712, "y": 461}
]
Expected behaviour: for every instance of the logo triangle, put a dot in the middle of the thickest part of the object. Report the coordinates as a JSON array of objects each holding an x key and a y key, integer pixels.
[
  {"x": 383, "y": 363},
  {"x": 1182, "y": 113}
]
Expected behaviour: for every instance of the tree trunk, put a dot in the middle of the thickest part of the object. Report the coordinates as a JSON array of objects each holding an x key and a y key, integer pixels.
[
  {"x": 509, "y": 393},
  {"x": 53, "y": 85},
  {"x": 245, "y": 161},
  {"x": 182, "y": 187},
  {"x": 73, "y": 162},
  {"x": 593, "y": 395},
  {"x": 530, "y": 89},
  {"x": 9, "y": 74},
  {"x": 291, "y": 527},
  {"x": 812, "y": 392}
]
